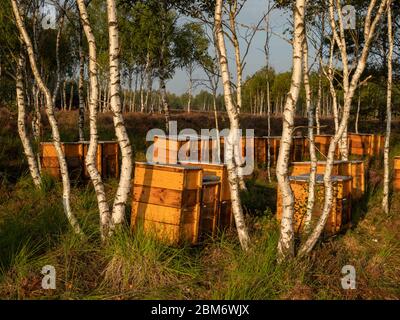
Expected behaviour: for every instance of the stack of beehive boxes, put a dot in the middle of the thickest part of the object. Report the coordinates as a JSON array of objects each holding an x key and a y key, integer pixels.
[{"x": 176, "y": 203}]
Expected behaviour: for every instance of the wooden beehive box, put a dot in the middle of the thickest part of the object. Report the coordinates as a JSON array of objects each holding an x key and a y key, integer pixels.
[
  {"x": 353, "y": 168},
  {"x": 173, "y": 149},
  {"x": 74, "y": 157},
  {"x": 340, "y": 215},
  {"x": 298, "y": 152},
  {"x": 396, "y": 176},
  {"x": 260, "y": 150},
  {"x": 304, "y": 167},
  {"x": 357, "y": 171},
  {"x": 110, "y": 153},
  {"x": 273, "y": 143},
  {"x": 378, "y": 145},
  {"x": 107, "y": 159},
  {"x": 226, "y": 219},
  {"x": 360, "y": 144},
  {"x": 166, "y": 201},
  {"x": 322, "y": 143},
  {"x": 210, "y": 202}
]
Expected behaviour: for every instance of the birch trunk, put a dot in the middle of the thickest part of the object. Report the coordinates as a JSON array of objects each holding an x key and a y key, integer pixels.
[
  {"x": 81, "y": 117},
  {"x": 386, "y": 180},
  {"x": 313, "y": 156},
  {"x": 95, "y": 176},
  {"x": 64, "y": 95},
  {"x": 52, "y": 120},
  {"x": 58, "y": 72},
  {"x": 267, "y": 54},
  {"x": 319, "y": 99},
  {"x": 30, "y": 156},
  {"x": 286, "y": 240},
  {"x": 349, "y": 89},
  {"x": 71, "y": 95},
  {"x": 234, "y": 127},
  {"x": 189, "y": 104},
  {"x": 164, "y": 103},
  {"x": 238, "y": 59},
  {"x": 124, "y": 186},
  {"x": 358, "y": 110}
]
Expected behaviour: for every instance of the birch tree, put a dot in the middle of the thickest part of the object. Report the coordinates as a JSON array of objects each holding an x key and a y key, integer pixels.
[
  {"x": 124, "y": 186},
  {"x": 286, "y": 240},
  {"x": 310, "y": 116},
  {"x": 386, "y": 180},
  {"x": 350, "y": 85},
  {"x": 26, "y": 144},
  {"x": 95, "y": 176},
  {"x": 267, "y": 64},
  {"x": 49, "y": 107},
  {"x": 81, "y": 84},
  {"x": 234, "y": 127}
]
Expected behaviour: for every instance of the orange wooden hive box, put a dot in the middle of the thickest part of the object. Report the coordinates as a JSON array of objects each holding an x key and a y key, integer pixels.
[
  {"x": 225, "y": 217},
  {"x": 107, "y": 161},
  {"x": 173, "y": 203},
  {"x": 340, "y": 215},
  {"x": 322, "y": 142},
  {"x": 360, "y": 144},
  {"x": 353, "y": 168},
  {"x": 378, "y": 145},
  {"x": 173, "y": 149},
  {"x": 273, "y": 143},
  {"x": 396, "y": 176},
  {"x": 259, "y": 149},
  {"x": 74, "y": 157},
  {"x": 299, "y": 152}
]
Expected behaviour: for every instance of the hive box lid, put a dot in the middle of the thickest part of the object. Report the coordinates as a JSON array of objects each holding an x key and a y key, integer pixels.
[{"x": 319, "y": 178}]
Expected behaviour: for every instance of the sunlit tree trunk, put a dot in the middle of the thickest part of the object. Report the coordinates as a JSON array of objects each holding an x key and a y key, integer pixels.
[
  {"x": 267, "y": 56},
  {"x": 358, "y": 110},
  {"x": 286, "y": 240},
  {"x": 349, "y": 87},
  {"x": 124, "y": 186},
  {"x": 58, "y": 71},
  {"x": 91, "y": 158},
  {"x": 52, "y": 120},
  {"x": 30, "y": 156},
  {"x": 81, "y": 117},
  {"x": 386, "y": 180},
  {"x": 234, "y": 127},
  {"x": 190, "y": 72},
  {"x": 319, "y": 98},
  {"x": 238, "y": 59},
  {"x": 310, "y": 116}
]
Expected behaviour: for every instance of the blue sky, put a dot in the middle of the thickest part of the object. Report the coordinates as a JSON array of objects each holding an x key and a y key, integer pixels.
[{"x": 280, "y": 50}]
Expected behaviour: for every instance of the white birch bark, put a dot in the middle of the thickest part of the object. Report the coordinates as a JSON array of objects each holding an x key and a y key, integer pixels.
[
  {"x": 238, "y": 59},
  {"x": 234, "y": 127},
  {"x": 310, "y": 116},
  {"x": 349, "y": 89},
  {"x": 358, "y": 110},
  {"x": 286, "y": 240},
  {"x": 91, "y": 158},
  {"x": 52, "y": 120},
  {"x": 30, "y": 156},
  {"x": 58, "y": 71},
  {"x": 124, "y": 186},
  {"x": 81, "y": 116},
  {"x": 386, "y": 180}
]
